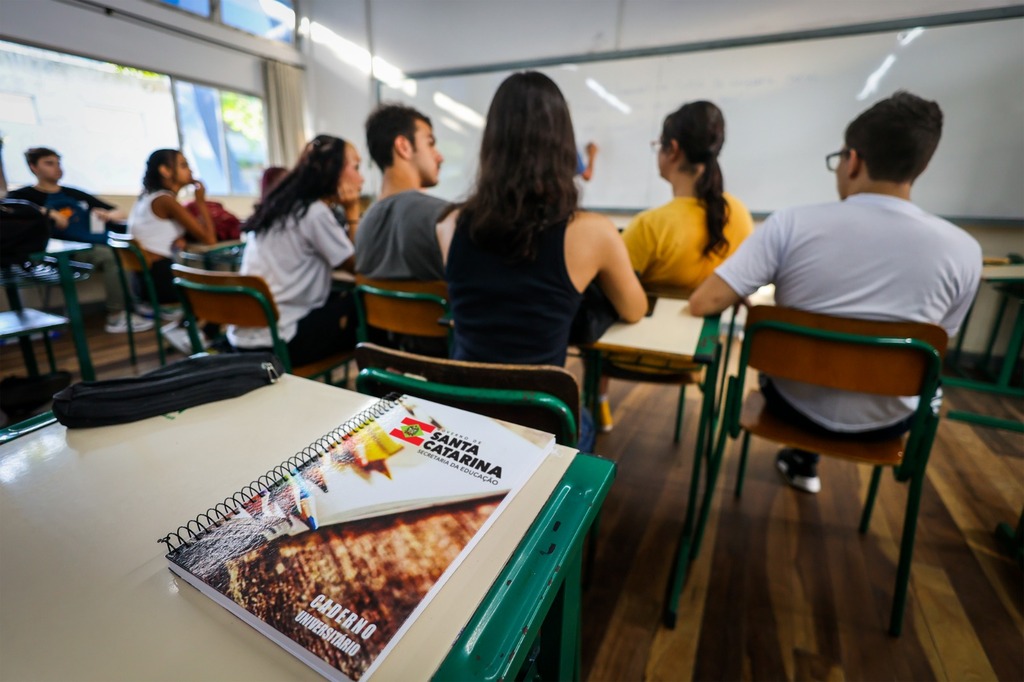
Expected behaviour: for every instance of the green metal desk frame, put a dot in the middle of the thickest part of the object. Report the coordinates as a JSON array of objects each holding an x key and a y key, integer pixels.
[
  {"x": 1009, "y": 289},
  {"x": 709, "y": 354},
  {"x": 537, "y": 594}
]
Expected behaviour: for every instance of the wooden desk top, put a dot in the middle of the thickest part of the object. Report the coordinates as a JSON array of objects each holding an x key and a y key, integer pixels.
[
  {"x": 1003, "y": 273},
  {"x": 85, "y": 587},
  {"x": 669, "y": 331}
]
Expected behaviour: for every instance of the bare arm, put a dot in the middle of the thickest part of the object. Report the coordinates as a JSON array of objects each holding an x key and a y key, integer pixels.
[
  {"x": 445, "y": 231},
  {"x": 588, "y": 170},
  {"x": 713, "y": 296},
  {"x": 167, "y": 207},
  {"x": 112, "y": 214},
  {"x": 593, "y": 247}
]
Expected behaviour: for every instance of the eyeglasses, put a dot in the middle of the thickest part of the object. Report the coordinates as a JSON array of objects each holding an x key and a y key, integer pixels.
[
  {"x": 832, "y": 160},
  {"x": 656, "y": 145}
]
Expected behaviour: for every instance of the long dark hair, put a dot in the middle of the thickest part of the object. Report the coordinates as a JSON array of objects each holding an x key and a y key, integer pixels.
[
  {"x": 314, "y": 177},
  {"x": 699, "y": 129},
  {"x": 152, "y": 181},
  {"x": 527, "y": 162}
]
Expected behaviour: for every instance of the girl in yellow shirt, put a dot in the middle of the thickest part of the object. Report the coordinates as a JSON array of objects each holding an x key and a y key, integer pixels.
[{"x": 681, "y": 243}]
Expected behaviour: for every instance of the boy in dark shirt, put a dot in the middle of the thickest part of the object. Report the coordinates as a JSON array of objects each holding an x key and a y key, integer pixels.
[{"x": 70, "y": 213}]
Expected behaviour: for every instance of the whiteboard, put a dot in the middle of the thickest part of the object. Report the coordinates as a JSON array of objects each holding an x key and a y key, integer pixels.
[{"x": 786, "y": 106}]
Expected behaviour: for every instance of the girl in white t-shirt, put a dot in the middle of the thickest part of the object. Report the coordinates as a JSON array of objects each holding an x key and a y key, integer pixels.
[
  {"x": 295, "y": 240},
  {"x": 160, "y": 224}
]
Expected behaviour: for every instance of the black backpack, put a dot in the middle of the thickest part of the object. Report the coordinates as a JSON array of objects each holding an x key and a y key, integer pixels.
[{"x": 24, "y": 230}]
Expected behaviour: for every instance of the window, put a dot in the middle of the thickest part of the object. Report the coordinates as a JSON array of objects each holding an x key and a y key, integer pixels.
[
  {"x": 268, "y": 18},
  {"x": 200, "y": 7},
  {"x": 274, "y": 19},
  {"x": 103, "y": 119},
  {"x": 223, "y": 135}
]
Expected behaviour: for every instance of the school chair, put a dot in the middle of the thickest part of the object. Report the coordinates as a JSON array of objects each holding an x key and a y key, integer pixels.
[
  {"x": 243, "y": 300},
  {"x": 407, "y": 308},
  {"x": 880, "y": 358},
  {"x": 542, "y": 397},
  {"x": 131, "y": 257}
]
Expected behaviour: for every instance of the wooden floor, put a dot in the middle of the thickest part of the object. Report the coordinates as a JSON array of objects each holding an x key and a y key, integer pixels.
[{"x": 784, "y": 587}]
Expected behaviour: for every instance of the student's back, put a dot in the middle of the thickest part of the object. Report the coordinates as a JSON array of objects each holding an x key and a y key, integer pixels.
[
  {"x": 680, "y": 243},
  {"x": 521, "y": 253},
  {"x": 512, "y": 313}
]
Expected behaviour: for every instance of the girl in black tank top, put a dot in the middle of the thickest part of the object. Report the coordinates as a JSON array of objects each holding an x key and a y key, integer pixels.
[{"x": 516, "y": 313}]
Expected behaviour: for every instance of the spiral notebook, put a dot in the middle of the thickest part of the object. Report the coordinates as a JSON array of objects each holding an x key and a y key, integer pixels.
[{"x": 333, "y": 553}]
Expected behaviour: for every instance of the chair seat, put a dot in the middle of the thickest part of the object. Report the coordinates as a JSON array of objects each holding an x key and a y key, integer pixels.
[
  {"x": 28, "y": 321},
  {"x": 315, "y": 369},
  {"x": 756, "y": 419}
]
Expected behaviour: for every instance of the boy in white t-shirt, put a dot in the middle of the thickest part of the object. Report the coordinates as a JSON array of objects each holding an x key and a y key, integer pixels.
[{"x": 873, "y": 255}]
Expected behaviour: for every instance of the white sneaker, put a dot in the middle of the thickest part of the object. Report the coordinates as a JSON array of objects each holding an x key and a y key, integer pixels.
[
  {"x": 118, "y": 323},
  {"x": 177, "y": 336},
  {"x": 168, "y": 313}
]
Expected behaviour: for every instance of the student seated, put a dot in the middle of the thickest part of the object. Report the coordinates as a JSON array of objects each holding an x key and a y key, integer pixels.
[
  {"x": 398, "y": 234},
  {"x": 398, "y": 237},
  {"x": 519, "y": 252},
  {"x": 294, "y": 242},
  {"x": 70, "y": 212},
  {"x": 160, "y": 224},
  {"x": 872, "y": 255},
  {"x": 679, "y": 244}
]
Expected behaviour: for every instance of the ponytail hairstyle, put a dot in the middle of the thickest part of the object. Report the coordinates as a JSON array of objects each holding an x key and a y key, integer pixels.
[
  {"x": 524, "y": 184},
  {"x": 315, "y": 177},
  {"x": 699, "y": 129},
  {"x": 152, "y": 181}
]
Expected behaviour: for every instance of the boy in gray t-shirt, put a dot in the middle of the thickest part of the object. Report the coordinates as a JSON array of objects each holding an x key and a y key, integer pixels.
[{"x": 397, "y": 238}]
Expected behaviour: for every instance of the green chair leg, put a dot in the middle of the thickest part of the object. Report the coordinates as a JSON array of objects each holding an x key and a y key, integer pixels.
[
  {"x": 1012, "y": 349},
  {"x": 869, "y": 503},
  {"x": 742, "y": 471},
  {"x": 1004, "y": 302},
  {"x": 899, "y": 601},
  {"x": 679, "y": 413},
  {"x": 129, "y": 308}
]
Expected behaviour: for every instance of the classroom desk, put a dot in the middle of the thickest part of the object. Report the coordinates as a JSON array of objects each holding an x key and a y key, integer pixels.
[
  {"x": 1009, "y": 279},
  {"x": 671, "y": 335},
  {"x": 86, "y": 592},
  {"x": 62, "y": 250},
  {"x": 226, "y": 255}
]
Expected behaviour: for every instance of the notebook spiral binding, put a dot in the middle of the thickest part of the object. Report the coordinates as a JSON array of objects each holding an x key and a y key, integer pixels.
[{"x": 203, "y": 523}]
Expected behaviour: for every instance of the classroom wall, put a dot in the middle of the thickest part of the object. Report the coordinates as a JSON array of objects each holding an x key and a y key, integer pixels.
[{"x": 339, "y": 88}]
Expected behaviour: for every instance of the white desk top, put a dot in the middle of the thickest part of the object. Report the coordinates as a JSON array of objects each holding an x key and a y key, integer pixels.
[
  {"x": 85, "y": 592},
  {"x": 55, "y": 246}
]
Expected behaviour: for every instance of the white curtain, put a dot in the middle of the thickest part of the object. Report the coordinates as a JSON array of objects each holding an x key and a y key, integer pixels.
[{"x": 286, "y": 112}]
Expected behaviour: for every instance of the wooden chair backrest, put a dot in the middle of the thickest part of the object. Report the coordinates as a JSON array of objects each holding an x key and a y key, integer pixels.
[
  {"x": 889, "y": 370},
  {"x": 122, "y": 245},
  {"x": 223, "y": 306},
  {"x": 549, "y": 379},
  {"x": 416, "y": 318}
]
